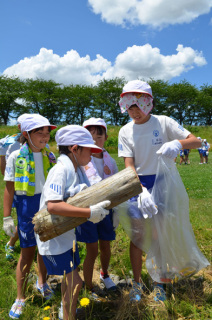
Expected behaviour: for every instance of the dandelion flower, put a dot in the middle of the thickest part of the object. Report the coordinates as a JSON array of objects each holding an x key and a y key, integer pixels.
[
  {"x": 84, "y": 302},
  {"x": 46, "y": 308},
  {"x": 46, "y": 318}
]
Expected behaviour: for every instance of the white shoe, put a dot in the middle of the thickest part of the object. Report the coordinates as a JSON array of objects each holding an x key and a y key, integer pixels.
[{"x": 108, "y": 282}]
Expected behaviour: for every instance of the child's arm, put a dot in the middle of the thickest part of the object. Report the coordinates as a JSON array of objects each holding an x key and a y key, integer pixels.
[
  {"x": 129, "y": 162},
  {"x": 94, "y": 214},
  {"x": 8, "y": 223},
  {"x": 191, "y": 142},
  {"x": 62, "y": 208}
]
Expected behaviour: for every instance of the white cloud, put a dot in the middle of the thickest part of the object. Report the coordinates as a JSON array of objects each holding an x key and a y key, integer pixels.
[
  {"x": 155, "y": 13},
  {"x": 71, "y": 68},
  {"x": 135, "y": 62}
]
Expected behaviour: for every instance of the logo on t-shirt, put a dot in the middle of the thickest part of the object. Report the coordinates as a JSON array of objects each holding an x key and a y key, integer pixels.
[
  {"x": 180, "y": 127},
  {"x": 156, "y": 133},
  {"x": 120, "y": 147},
  {"x": 57, "y": 188}
]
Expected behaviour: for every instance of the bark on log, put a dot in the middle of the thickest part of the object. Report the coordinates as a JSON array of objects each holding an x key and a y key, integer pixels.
[{"x": 118, "y": 188}]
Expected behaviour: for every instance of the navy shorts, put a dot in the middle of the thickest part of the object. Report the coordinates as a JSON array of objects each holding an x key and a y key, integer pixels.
[
  {"x": 90, "y": 232},
  {"x": 60, "y": 263},
  {"x": 200, "y": 151},
  {"x": 26, "y": 208}
]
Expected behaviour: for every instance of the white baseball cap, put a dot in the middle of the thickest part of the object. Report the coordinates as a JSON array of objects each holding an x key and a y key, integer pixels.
[
  {"x": 74, "y": 134},
  {"x": 34, "y": 121},
  {"x": 95, "y": 122},
  {"x": 137, "y": 86}
]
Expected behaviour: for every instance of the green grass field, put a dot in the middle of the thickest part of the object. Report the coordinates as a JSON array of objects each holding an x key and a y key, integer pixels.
[{"x": 190, "y": 299}]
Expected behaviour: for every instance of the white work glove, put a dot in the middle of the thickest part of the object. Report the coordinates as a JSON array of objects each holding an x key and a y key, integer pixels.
[
  {"x": 146, "y": 205},
  {"x": 8, "y": 226},
  {"x": 170, "y": 149},
  {"x": 98, "y": 211}
]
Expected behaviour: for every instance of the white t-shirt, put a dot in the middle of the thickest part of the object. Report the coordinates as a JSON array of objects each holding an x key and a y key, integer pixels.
[
  {"x": 39, "y": 174},
  {"x": 12, "y": 147},
  {"x": 141, "y": 141},
  {"x": 55, "y": 189}
]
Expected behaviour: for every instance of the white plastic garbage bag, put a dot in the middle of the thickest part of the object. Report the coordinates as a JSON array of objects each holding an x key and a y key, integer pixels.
[{"x": 167, "y": 238}]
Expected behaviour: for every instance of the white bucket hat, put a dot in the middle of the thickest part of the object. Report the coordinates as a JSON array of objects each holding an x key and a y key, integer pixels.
[
  {"x": 34, "y": 121},
  {"x": 95, "y": 122},
  {"x": 137, "y": 86},
  {"x": 22, "y": 117},
  {"x": 74, "y": 134}
]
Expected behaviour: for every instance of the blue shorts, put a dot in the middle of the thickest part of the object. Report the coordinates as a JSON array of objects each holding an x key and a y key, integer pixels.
[
  {"x": 90, "y": 232},
  {"x": 186, "y": 152},
  {"x": 147, "y": 182},
  {"x": 205, "y": 153},
  {"x": 181, "y": 153},
  {"x": 200, "y": 151},
  {"x": 26, "y": 208},
  {"x": 60, "y": 263}
]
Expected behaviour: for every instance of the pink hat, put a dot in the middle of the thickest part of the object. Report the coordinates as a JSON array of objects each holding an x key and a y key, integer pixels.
[
  {"x": 95, "y": 122},
  {"x": 137, "y": 86}
]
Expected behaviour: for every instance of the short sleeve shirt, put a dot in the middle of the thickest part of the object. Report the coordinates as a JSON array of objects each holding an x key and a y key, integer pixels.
[{"x": 142, "y": 141}]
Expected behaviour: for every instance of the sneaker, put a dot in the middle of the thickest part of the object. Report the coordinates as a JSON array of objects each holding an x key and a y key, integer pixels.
[
  {"x": 46, "y": 292},
  {"x": 159, "y": 293},
  {"x": 17, "y": 309},
  {"x": 136, "y": 292},
  {"x": 108, "y": 282},
  {"x": 9, "y": 251}
]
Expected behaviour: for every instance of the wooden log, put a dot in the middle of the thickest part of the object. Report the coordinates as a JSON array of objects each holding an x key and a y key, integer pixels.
[{"x": 118, "y": 188}]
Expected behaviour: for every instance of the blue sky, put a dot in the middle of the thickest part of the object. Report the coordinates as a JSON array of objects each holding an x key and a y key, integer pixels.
[{"x": 82, "y": 42}]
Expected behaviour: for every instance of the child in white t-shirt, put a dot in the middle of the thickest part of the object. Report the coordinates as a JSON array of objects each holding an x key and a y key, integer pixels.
[
  {"x": 205, "y": 151},
  {"x": 140, "y": 142},
  {"x": 25, "y": 174},
  {"x": 60, "y": 254},
  {"x": 102, "y": 165}
]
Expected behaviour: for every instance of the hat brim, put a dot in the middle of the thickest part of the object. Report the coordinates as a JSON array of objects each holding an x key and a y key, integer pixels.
[
  {"x": 134, "y": 91},
  {"x": 52, "y": 127},
  {"x": 99, "y": 125},
  {"x": 94, "y": 148}
]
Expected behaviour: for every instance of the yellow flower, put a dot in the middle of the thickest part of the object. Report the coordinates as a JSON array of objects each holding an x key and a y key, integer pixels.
[
  {"x": 47, "y": 308},
  {"x": 84, "y": 302},
  {"x": 46, "y": 318}
]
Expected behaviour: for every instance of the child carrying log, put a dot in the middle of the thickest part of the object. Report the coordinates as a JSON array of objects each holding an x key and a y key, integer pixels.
[
  {"x": 25, "y": 174},
  {"x": 100, "y": 167},
  {"x": 60, "y": 254}
]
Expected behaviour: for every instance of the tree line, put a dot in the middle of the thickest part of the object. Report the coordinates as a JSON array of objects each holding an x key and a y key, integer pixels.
[{"x": 72, "y": 104}]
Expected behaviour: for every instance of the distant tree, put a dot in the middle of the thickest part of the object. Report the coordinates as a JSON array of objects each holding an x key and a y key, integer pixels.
[
  {"x": 204, "y": 101},
  {"x": 44, "y": 97},
  {"x": 11, "y": 90},
  {"x": 77, "y": 103},
  {"x": 181, "y": 102},
  {"x": 107, "y": 95},
  {"x": 160, "y": 92}
]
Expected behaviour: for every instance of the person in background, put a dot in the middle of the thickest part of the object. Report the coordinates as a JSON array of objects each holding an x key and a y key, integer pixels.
[
  {"x": 140, "y": 143},
  {"x": 200, "y": 151},
  {"x": 205, "y": 151},
  {"x": 101, "y": 166},
  {"x": 12, "y": 144}
]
